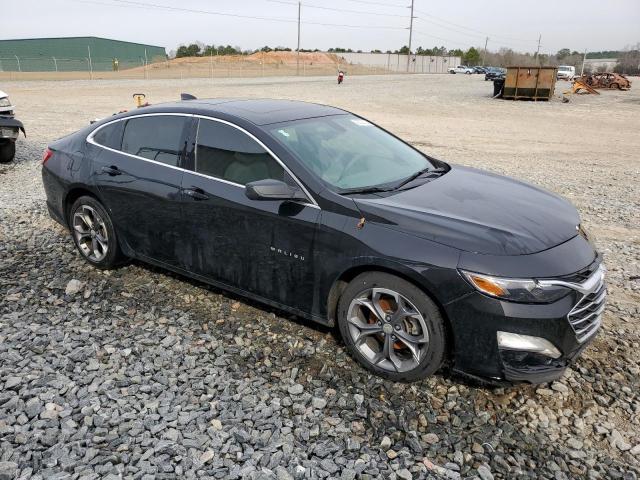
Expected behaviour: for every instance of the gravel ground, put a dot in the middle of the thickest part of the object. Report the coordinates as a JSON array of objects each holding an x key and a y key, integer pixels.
[{"x": 139, "y": 373}]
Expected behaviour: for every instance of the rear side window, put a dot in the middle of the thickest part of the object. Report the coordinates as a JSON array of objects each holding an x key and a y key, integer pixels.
[
  {"x": 110, "y": 135},
  {"x": 158, "y": 138},
  {"x": 225, "y": 152}
]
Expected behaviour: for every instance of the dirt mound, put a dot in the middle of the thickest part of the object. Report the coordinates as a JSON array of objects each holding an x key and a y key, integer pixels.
[
  {"x": 273, "y": 58},
  {"x": 290, "y": 57}
]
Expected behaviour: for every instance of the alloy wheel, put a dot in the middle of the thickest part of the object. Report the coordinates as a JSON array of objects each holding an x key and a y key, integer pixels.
[
  {"x": 388, "y": 330},
  {"x": 90, "y": 232}
]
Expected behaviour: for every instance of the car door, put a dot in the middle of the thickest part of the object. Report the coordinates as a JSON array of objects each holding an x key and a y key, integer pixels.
[
  {"x": 262, "y": 247},
  {"x": 136, "y": 169}
]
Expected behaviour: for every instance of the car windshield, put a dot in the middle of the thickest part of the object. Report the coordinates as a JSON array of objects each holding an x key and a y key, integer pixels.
[{"x": 349, "y": 153}]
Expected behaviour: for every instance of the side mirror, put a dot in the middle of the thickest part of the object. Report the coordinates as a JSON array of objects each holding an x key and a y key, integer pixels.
[{"x": 270, "y": 189}]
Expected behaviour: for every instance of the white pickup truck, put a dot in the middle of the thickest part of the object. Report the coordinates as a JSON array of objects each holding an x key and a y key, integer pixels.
[
  {"x": 461, "y": 69},
  {"x": 10, "y": 128},
  {"x": 566, "y": 72}
]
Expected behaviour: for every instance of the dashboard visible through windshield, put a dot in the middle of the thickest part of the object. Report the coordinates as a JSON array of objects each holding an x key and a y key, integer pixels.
[{"x": 350, "y": 153}]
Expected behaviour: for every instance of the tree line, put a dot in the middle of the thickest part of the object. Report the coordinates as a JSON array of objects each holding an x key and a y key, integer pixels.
[
  {"x": 199, "y": 49},
  {"x": 628, "y": 60}
]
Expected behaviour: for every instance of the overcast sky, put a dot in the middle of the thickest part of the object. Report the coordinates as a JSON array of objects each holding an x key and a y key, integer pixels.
[{"x": 575, "y": 24}]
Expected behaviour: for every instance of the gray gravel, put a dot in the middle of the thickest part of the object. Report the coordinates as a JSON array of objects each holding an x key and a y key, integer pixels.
[{"x": 139, "y": 373}]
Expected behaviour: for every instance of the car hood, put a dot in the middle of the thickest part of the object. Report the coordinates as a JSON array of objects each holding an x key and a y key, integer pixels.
[{"x": 477, "y": 211}]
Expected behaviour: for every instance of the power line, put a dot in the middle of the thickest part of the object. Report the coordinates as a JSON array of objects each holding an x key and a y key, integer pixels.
[
  {"x": 478, "y": 32},
  {"x": 138, "y": 4},
  {"x": 361, "y": 12},
  {"x": 439, "y": 38},
  {"x": 367, "y": 2}
]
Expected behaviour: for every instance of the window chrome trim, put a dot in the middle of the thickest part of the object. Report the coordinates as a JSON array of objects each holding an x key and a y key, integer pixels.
[{"x": 90, "y": 140}]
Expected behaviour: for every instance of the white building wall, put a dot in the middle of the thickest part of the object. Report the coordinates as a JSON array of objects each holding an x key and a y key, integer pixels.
[{"x": 398, "y": 63}]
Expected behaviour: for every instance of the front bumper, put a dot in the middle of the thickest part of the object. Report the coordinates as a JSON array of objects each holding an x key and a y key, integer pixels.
[
  {"x": 10, "y": 128},
  {"x": 568, "y": 324}
]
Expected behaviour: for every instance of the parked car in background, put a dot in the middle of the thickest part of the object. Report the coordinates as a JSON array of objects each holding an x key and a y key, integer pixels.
[
  {"x": 479, "y": 69},
  {"x": 323, "y": 214},
  {"x": 10, "y": 128},
  {"x": 494, "y": 73},
  {"x": 566, "y": 72},
  {"x": 461, "y": 69}
]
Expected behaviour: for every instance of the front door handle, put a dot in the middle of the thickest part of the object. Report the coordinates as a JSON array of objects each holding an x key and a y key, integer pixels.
[
  {"x": 111, "y": 170},
  {"x": 196, "y": 193}
]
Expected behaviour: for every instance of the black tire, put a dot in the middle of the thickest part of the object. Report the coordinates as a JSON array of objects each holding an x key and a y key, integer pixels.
[
  {"x": 7, "y": 151},
  {"x": 433, "y": 354},
  {"x": 112, "y": 254}
]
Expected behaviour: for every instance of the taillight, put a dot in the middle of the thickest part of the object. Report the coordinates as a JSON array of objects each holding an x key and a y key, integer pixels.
[{"x": 48, "y": 153}]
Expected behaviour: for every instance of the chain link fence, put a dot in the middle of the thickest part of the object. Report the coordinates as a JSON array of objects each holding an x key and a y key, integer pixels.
[{"x": 54, "y": 68}]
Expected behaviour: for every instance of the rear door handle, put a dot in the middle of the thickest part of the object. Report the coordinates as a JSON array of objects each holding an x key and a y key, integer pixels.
[
  {"x": 111, "y": 170},
  {"x": 196, "y": 193}
]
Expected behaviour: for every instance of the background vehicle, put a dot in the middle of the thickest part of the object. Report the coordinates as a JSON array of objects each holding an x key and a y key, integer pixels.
[
  {"x": 323, "y": 214},
  {"x": 493, "y": 73},
  {"x": 9, "y": 129},
  {"x": 566, "y": 72},
  {"x": 479, "y": 69},
  {"x": 461, "y": 69}
]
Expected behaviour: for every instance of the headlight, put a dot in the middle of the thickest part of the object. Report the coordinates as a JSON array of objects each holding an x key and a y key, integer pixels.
[
  {"x": 4, "y": 102},
  {"x": 515, "y": 289}
]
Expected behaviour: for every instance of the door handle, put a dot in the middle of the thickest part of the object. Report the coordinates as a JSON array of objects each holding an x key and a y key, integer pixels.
[
  {"x": 111, "y": 170},
  {"x": 196, "y": 193}
]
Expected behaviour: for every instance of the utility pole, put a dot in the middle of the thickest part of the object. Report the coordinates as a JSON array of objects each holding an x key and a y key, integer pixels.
[
  {"x": 298, "y": 49},
  {"x": 538, "y": 51},
  {"x": 410, "y": 34},
  {"x": 584, "y": 58},
  {"x": 484, "y": 55}
]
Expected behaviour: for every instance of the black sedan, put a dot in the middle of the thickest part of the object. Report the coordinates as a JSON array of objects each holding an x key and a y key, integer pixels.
[
  {"x": 494, "y": 73},
  {"x": 321, "y": 213}
]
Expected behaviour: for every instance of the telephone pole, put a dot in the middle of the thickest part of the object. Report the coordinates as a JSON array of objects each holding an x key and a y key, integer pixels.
[
  {"x": 538, "y": 51},
  {"x": 410, "y": 34},
  {"x": 298, "y": 49},
  {"x": 584, "y": 58},
  {"x": 484, "y": 55}
]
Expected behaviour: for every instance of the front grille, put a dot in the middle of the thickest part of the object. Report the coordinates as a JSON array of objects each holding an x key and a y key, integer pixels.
[
  {"x": 583, "y": 274},
  {"x": 586, "y": 316}
]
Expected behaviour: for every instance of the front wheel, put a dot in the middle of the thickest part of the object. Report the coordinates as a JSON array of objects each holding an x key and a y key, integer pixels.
[
  {"x": 94, "y": 234},
  {"x": 7, "y": 151},
  {"x": 391, "y": 327}
]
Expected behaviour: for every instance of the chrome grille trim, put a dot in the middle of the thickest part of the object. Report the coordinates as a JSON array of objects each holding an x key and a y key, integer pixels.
[{"x": 585, "y": 317}]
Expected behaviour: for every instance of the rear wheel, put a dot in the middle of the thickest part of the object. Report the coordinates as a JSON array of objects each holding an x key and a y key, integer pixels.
[
  {"x": 391, "y": 327},
  {"x": 93, "y": 233},
  {"x": 7, "y": 151},
  {"x": 615, "y": 85}
]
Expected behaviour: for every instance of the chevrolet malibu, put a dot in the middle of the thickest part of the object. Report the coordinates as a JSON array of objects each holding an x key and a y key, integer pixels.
[{"x": 321, "y": 213}]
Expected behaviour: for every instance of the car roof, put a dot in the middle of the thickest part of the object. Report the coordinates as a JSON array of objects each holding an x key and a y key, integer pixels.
[{"x": 256, "y": 111}]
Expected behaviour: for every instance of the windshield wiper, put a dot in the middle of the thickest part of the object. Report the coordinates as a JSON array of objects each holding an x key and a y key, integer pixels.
[
  {"x": 413, "y": 177},
  {"x": 366, "y": 190},
  {"x": 419, "y": 174}
]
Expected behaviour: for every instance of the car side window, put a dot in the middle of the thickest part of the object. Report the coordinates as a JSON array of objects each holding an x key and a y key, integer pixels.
[
  {"x": 225, "y": 152},
  {"x": 110, "y": 135},
  {"x": 158, "y": 137}
]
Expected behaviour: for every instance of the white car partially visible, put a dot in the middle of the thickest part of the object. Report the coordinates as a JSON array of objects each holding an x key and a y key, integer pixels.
[
  {"x": 5, "y": 104},
  {"x": 461, "y": 69}
]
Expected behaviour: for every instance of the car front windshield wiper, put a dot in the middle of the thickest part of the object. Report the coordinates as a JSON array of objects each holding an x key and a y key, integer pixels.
[
  {"x": 349, "y": 191},
  {"x": 414, "y": 176}
]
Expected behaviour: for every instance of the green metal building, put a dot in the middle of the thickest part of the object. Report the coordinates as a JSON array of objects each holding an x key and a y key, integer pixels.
[{"x": 75, "y": 54}]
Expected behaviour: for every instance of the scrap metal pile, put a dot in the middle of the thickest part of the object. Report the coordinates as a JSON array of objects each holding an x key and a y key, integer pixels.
[{"x": 591, "y": 82}]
